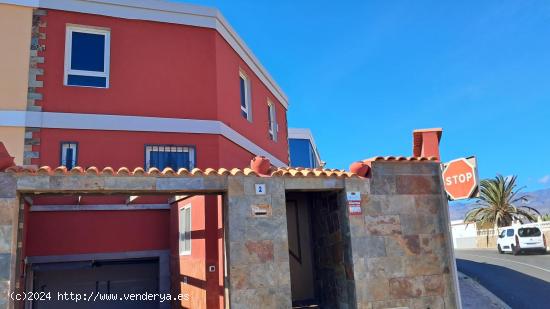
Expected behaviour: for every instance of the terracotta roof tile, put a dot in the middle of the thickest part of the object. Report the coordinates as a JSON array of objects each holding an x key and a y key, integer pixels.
[
  {"x": 44, "y": 170},
  {"x": 168, "y": 172},
  {"x": 182, "y": 172},
  {"x": 60, "y": 170},
  {"x": 399, "y": 158},
  {"x": 108, "y": 171},
  {"x": 139, "y": 171},
  {"x": 92, "y": 170}
]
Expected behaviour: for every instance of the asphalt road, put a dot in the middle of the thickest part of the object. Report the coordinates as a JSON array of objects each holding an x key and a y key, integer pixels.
[{"x": 521, "y": 281}]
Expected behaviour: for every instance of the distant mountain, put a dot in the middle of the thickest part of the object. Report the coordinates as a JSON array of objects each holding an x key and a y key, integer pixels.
[{"x": 539, "y": 200}]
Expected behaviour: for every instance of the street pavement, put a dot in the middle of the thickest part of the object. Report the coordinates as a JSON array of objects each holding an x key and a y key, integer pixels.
[{"x": 521, "y": 281}]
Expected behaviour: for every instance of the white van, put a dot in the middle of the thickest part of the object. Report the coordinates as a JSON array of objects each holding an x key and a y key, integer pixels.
[{"x": 516, "y": 239}]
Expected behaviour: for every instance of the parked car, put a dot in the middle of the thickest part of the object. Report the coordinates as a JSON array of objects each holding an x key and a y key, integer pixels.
[{"x": 517, "y": 239}]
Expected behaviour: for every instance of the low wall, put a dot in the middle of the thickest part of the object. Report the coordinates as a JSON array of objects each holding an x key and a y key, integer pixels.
[
  {"x": 402, "y": 243},
  {"x": 487, "y": 239}
]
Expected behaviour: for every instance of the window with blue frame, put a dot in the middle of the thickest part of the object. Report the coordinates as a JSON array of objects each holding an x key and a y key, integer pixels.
[
  {"x": 175, "y": 157},
  {"x": 87, "y": 57},
  {"x": 69, "y": 154}
]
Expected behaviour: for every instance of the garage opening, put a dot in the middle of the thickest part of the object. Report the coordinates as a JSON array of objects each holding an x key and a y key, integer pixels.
[
  {"x": 96, "y": 283},
  {"x": 319, "y": 250}
]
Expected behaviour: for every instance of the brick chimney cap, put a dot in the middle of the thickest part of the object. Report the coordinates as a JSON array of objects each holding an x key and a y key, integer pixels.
[
  {"x": 439, "y": 130},
  {"x": 418, "y": 139}
]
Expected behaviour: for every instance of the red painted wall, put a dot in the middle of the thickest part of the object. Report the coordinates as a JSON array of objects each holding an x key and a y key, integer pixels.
[
  {"x": 162, "y": 70},
  {"x": 228, "y": 66},
  {"x": 190, "y": 273},
  {"x": 156, "y": 69},
  {"x": 77, "y": 232},
  {"x": 120, "y": 148}
]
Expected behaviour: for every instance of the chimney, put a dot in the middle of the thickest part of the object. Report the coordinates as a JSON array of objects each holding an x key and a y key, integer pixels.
[{"x": 426, "y": 142}]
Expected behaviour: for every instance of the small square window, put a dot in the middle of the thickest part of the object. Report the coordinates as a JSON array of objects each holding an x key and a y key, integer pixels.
[
  {"x": 244, "y": 84},
  {"x": 185, "y": 230},
  {"x": 87, "y": 57},
  {"x": 175, "y": 157},
  {"x": 69, "y": 154}
]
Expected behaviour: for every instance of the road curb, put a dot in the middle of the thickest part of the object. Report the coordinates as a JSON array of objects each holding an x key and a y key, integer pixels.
[{"x": 483, "y": 291}]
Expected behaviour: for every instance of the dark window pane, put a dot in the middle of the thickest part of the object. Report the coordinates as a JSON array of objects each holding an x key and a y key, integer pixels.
[
  {"x": 69, "y": 155},
  {"x": 529, "y": 232},
  {"x": 182, "y": 160},
  {"x": 510, "y": 233},
  {"x": 164, "y": 159},
  {"x": 91, "y": 81},
  {"x": 69, "y": 158},
  {"x": 301, "y": 153},
  {"x": 88, "y": 52},
  {"x": 243, "y": 92}
]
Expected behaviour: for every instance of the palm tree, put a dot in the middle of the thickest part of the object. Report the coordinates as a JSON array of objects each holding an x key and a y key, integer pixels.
[{"x": 496, "y": 204}]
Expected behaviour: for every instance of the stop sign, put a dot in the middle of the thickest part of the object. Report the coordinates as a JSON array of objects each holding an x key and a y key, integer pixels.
[{"x": 460, "y": 179}]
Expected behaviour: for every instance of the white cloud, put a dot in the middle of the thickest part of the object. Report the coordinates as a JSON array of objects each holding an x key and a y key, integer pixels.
[{"x": 545, "y": 179}]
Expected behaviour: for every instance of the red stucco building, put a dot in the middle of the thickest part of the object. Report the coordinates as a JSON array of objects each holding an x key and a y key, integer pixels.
[{"x": 141, "y": 83}]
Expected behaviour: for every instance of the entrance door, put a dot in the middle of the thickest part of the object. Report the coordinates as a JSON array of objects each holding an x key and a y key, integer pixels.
[
  {"x": 96, "y": 279},
  {"x": 300, "y": 251}
]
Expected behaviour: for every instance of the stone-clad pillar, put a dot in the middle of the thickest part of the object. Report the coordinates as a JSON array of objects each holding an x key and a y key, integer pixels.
[
  {"x": 9, "y": 212},
  {"x": 401, "y": 248},
  {"x": 257, "y": 243}
]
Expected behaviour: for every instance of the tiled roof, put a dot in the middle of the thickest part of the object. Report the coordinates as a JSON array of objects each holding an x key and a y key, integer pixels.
[
  {"x": 182, "y": 172},
  {"x": 168, "y": 172},
  {"x": 399, "y": 158}
]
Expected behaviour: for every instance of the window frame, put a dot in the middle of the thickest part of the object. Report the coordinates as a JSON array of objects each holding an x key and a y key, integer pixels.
[
  {"x": 192, "y": 158},
  {"x": 70, "y": 28},
  {"x": 181, "y": 243},
  {"x": 273, "y": 129},
  {"x": 61, "y": 153},
  {"x": 248, "y": 95}
]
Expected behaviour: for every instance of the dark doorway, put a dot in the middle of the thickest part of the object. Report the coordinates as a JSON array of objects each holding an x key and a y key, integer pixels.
[{"x": 319, "y": 250}]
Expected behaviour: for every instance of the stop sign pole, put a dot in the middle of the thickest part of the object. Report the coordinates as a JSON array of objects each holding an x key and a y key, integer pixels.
[{"x": 460, "y": 178}]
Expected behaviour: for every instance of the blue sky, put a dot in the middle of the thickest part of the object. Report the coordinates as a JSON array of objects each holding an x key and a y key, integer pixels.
[{"x": 362, "y": 75}]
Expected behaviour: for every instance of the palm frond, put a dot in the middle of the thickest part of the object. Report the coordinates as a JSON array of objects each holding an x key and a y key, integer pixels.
[{"x": 497, "y": 202}]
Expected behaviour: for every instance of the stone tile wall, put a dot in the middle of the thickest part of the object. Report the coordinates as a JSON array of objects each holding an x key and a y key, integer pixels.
[
  {"x": 259, "y": 272},
  {"x": 31, "y": 155},
  {"x": 332, "y": 251},
  {"x": 9, "y": 206},
  {"x": 401, "y": 244}
]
